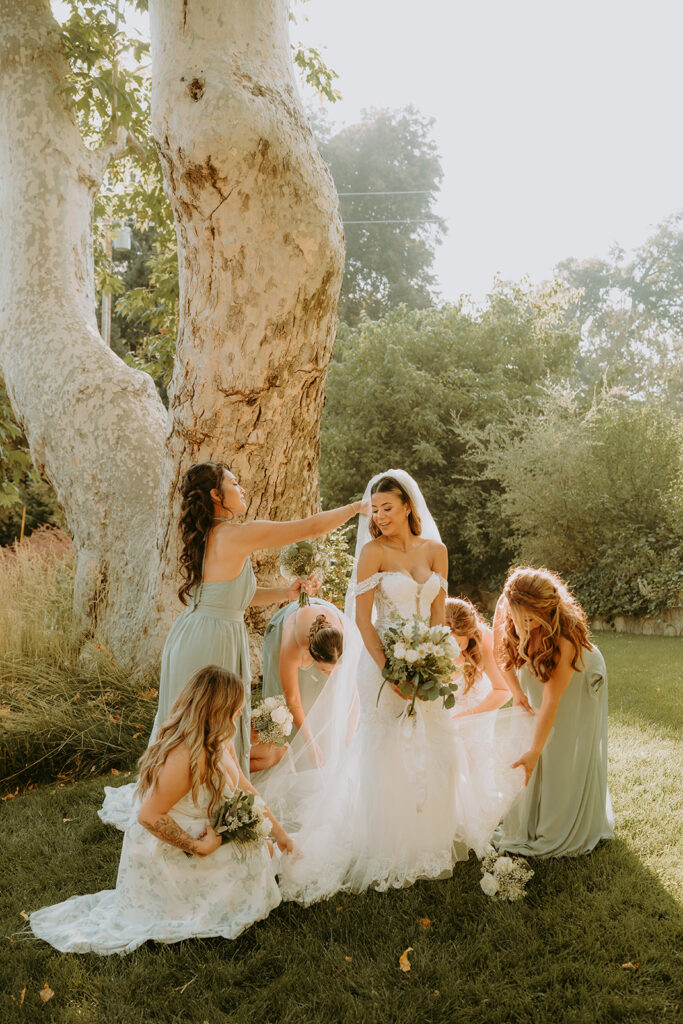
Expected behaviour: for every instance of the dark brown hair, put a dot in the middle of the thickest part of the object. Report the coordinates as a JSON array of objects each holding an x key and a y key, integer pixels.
[
  {"x": 462, "y": 620},
  {"x": 202, "y": 717},
  {"x": 325, "y": 642},
  {"x": 389, "y": 485},
  {"x": 196, "y": 516}
]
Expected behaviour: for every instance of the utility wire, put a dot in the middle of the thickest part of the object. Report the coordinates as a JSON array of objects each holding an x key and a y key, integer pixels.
[{"x": 415, "y": 192}]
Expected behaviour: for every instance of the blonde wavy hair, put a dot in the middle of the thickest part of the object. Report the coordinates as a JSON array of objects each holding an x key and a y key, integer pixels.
[
  {"x": 543, "y": 595},
  {"x": 463, "y": 619},
  {"x": 389, "y": 485},
  {"x": 202, "y": 717}
]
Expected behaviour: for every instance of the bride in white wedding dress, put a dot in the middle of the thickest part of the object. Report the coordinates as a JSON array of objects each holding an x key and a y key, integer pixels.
[{"x": 406, "y": 797}]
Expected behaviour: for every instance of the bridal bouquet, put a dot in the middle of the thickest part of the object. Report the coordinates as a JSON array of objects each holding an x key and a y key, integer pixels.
[
  {"x": 272, "y": 720},
  {"x": 304, "y": 558},
  {"x": 242, "y": 819},
  {"x": 504, "y": 878},
  {"x": 420, "y": 661}
]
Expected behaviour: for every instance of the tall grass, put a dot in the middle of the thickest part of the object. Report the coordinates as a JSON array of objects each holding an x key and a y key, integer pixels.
[{"x": 67, "y": 709}]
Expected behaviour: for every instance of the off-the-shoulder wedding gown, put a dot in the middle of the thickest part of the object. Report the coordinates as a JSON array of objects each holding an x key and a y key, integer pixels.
[{"x": 410, "y": 795}]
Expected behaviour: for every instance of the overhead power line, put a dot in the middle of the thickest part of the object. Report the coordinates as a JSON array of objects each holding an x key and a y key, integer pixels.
[
  {"x": 404, "y": 192},
  {"x": 414, "y": 220}
]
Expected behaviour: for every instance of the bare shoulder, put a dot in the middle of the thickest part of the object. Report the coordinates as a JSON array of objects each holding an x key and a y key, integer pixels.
[
  {"x": 370, "y": 558},
  {"x": 438, "y": 554}
]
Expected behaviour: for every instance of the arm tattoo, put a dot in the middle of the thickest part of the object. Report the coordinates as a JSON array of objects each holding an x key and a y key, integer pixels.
[{"x": 166, "y": 829}]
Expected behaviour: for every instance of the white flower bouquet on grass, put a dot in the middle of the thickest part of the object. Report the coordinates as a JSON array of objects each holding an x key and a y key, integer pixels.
[
  {"x": 272, "y": 720},
  {"x": 504, "y": 878},
  {"x": 420, "y": 660}
]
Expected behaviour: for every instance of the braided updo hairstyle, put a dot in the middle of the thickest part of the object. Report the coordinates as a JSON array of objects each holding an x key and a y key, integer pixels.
[
  {"x": 325, "y": 642},
  {"x": 196, "y": 516}
]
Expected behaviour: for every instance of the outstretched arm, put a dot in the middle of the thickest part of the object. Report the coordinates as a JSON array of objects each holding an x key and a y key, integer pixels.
[
  {"x": 279, "y": 834},
  {"x": 499, "y": 694},
  {"x": 552, "y": 692},
  {"x": 440, "y": 565}
]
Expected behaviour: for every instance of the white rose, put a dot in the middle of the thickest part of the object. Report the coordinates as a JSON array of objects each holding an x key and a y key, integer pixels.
[
  {"x": 407, "y": 631},
  {"x": 503, "y": 865},
  {"x": 271, "y": 702},
  {"x": 411, "y": 656},
  {"x": 399, "y": 650},
  {"x": 453, "y": 647},
  {"x": 489, "y": 884},
  {"x": 279, "y": 715},
  {"x": 288, "y": 726}
]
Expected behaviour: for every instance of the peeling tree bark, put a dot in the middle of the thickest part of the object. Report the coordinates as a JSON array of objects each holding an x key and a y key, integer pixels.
[
  {"x": 95, "y": 426},
  {"x": 260, "y": 252}
]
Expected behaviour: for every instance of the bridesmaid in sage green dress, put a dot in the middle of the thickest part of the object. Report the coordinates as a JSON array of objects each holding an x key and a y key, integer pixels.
[
  {"x": 301, "y": 647},
  {"x": 218, "y": 585},
  {"x": 542, "y": 631}
]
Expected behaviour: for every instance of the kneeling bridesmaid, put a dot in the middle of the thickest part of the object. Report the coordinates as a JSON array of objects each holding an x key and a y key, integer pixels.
[
  {"x": 175, "y": 879},
  {"x": 542, "y": 632}
]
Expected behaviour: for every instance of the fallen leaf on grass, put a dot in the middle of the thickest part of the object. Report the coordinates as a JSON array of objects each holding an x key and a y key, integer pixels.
[
  {"x": 64, "y": 820},
  {"x": 115, "y": 771},
  {"x": 22, "y": 913},
  {"x": 348, "y": 959},
  {"x": 630, "y": 967},
  {"x": 403, "y": 961},
  {"x": 101, "y": 647},
  {"x": 115, "y": 719},
  {"x": 425, "y": 923},
  {"x": 22, "y": 997},
  {"x": 46, "y": 992},
  {"x": 183, "y": 987},
  {"x": 148, "y": 694},
  {"x": 11, "y": 796}
]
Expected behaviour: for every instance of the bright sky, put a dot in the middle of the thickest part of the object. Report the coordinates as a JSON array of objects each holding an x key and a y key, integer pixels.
[{"x": 558, "y": 123}]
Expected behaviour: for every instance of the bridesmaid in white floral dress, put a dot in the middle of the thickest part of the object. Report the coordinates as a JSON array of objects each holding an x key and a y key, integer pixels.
[{"x": 175, "y": 879}]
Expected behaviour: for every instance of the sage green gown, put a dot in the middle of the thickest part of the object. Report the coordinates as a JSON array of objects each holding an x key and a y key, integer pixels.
[
  {"x": 311, "y": 679},
  {"x": 566, "y": 810},
  {"x": 211, "y": 631}
]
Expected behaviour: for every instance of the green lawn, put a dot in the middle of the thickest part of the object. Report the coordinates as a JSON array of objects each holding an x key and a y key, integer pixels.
[{"x": 556, "y": 957}]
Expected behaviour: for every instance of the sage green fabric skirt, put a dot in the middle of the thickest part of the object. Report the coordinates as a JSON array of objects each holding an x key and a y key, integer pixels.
[
  {"x": 211, "y": 632},
  {"x": 566, "y": 810}
]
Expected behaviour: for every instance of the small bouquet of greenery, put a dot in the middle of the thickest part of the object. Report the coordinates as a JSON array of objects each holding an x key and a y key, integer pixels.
[
  {"x": 504, "y": 878},
  {"x": 305, "y": 558},
  {"x": 272, "y": 720},
  {"x": 420, "y": 661},
  {"x": 241, "y": 819}
]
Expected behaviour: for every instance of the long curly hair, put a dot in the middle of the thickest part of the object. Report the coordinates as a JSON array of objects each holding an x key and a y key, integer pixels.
[
  {"x": 202, "y": 717},
  {"x": 196, "y": 516},
  {"x": 463, "y": 619},
  {"x": 389, "y": 485},
  {"x": 546, "y": 597},
  {"x": 325, "y": 641}
]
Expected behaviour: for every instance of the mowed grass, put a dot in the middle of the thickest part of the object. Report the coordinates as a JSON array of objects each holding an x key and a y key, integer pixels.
[{"x": 597, "y": 939}]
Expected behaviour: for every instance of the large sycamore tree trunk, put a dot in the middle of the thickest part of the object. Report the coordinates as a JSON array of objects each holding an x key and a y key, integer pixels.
[
  {"x": 95, "y": 426},
  {"x": 260, "y": 252},
  {"x": 261, "y": 259}
]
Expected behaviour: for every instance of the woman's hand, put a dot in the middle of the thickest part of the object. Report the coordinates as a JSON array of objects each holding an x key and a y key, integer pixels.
[
  {"x": 285, "y": 842},
  {"x": 364, "y": 508},
  {"x": 528, "y": 762},
  {"x": 207, "y": 842},
  {"x": 311, "y": 584},
  {"x": 520, "y": 700}
]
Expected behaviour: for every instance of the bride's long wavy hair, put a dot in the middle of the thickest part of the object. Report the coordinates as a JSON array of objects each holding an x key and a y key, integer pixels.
[
  {"x": 389, "y": 485},
  {"x": 546, "y": 597},
  {"x": 196, "y": 516},
  {"x": 202, "y": 717},
  {"x": 463, "y": 619}
]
